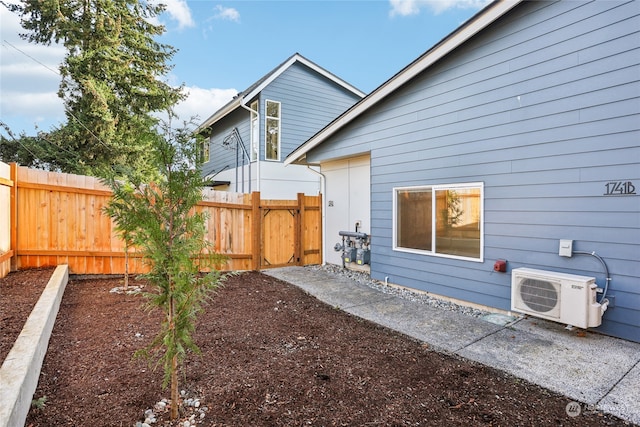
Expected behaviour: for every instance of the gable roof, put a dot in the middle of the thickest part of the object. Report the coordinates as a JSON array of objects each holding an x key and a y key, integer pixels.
[
  {"x": 463, "y": 33},
  {"x": 246, "y": 95}
]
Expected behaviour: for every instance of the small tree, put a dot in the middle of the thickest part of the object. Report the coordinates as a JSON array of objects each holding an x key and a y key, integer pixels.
[{"x": 161, "y": 220}]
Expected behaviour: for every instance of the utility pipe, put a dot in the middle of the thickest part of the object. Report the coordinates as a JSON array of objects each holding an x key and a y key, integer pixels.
[
  {"x": 603, "y": 299},
  {"x": 258, "y": 143}
]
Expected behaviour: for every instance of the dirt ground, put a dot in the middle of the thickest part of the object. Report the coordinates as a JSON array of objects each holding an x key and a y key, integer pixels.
[
  {"x": 272, "y": 355},
  {"x": 18, "y": 294}
]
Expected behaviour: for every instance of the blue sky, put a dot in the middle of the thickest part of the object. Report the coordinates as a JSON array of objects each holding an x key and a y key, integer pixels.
[{"x": 225, "y": 46}]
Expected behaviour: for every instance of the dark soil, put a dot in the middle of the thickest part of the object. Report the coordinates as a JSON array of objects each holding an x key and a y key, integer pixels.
[
  {"x": 19, "y": 292},
  {"x": 272, "y": 355}
]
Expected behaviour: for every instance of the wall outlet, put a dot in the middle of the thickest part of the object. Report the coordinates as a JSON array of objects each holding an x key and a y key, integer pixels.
[{"x": 566, "y": 248}]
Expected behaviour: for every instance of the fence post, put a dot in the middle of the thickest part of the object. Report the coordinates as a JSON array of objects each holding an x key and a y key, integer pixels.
[
  {"x": 256, "y": 231},
  {"x": 14, "y": 215},
  {"x": 299, "y": 242}
]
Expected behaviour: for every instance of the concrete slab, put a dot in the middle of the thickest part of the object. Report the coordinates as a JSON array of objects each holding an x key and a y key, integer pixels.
[
  {"x": 442, "y": 330},
  {"x": 624, "y": 399},
  {"x": 572, "y": 363}
]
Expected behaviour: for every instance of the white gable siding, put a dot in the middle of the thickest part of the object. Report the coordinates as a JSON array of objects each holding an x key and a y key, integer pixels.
[{"x": 543, "y": 106}]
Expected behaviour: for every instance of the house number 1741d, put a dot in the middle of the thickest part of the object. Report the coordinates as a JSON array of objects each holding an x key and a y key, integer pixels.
[{"x": 619, "y": 188}]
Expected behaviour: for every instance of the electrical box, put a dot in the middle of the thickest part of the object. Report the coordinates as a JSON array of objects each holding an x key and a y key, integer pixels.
[{"x": 566, "y": 248}]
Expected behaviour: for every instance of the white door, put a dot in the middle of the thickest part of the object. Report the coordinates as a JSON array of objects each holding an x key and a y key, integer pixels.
[{"x": 347, "y": 201}]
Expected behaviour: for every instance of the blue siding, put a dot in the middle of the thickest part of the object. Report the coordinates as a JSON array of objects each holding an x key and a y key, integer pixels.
[
  {"x": 224, "y": 158},
  {"x": 308, "y": 102},
  {"x": 543, "y": 106}
]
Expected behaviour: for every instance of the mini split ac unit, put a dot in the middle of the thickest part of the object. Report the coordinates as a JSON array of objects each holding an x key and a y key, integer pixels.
[{"x": 560, "y": 297}]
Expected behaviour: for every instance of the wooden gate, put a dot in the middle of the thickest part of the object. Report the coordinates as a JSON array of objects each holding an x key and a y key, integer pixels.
[
  {"x": 291, "y": 232},
  {"x": 279, "y": 232}
]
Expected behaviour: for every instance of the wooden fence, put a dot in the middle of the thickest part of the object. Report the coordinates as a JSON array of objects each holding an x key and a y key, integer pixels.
[{"x": 58, "y": 219}]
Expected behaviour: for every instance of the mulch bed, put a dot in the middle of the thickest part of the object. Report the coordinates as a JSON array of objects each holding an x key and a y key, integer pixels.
[
  {"x": 272, "y": 355},
  {"x": 19, "y": 292}
]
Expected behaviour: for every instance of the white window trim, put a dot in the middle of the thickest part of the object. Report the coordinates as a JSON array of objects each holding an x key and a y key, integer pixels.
[
  {"x": 434, "y": 188},
  {"x": 254, "y": 129},
  {"x": 266, "y": 118}
]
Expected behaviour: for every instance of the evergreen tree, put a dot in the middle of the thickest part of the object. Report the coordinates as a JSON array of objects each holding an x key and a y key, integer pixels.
[
  {"x": 110, "y": 79},
  {"x": 162, "y": 221},
  {"x": 22, "y": 149}
]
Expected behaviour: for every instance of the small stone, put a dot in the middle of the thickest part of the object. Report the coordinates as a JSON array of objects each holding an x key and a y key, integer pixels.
[
  {"x": 202, "y": 415},
  {"x": 196, "y": 403},
  {"x": 183, "y": 393},
  {"x": 186, "y": 424}
]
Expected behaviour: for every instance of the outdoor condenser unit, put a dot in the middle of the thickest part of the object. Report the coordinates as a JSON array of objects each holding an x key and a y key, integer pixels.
[{"x": 560, "y": 297}]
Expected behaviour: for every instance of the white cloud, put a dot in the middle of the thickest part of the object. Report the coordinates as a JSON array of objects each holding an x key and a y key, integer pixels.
[
  {"x": 404, "y": 7},
  {"x": 203, "y": 102},
  {"x": 28, "y": 79},
  {"x": 413, "y": 7},
  {"x": 227, "y": 13},
  {"x": 179, "y": 11}
]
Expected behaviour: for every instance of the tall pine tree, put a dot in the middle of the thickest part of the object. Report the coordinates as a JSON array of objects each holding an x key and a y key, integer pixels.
[{"x": 110, "y": 80}]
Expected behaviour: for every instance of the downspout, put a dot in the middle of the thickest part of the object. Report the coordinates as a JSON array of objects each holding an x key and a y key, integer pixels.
[
  {"x": 323, "y": 187},
  {"x": 258, "y": 144}
]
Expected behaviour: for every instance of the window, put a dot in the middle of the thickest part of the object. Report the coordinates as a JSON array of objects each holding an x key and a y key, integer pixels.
[
  {"x": 272, "y": 134},
  {"x": 255, "y": 126},
  {"x": 442, "y": 220},
  {"x": 203, "y": 150}
]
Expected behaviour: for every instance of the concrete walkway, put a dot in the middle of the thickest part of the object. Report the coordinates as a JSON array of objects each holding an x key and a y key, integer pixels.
[{"x": 594, "y": 370}]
